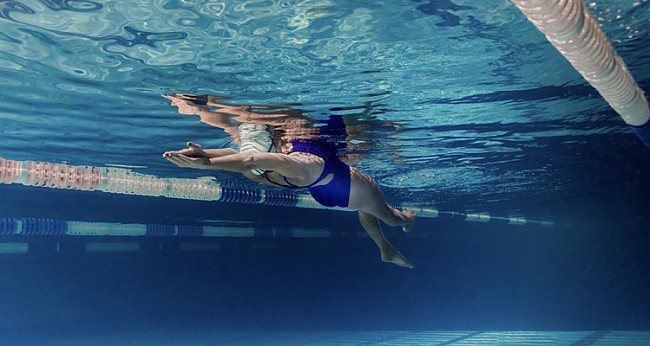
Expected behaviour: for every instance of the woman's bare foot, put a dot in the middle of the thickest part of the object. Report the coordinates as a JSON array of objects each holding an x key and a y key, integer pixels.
[
  {"x": 410, "y": 215},
  {"x": 391, "y": 255}
]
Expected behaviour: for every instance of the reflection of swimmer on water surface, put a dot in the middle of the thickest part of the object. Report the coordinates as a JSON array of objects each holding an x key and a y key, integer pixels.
[{"x": 302, "y": 157}]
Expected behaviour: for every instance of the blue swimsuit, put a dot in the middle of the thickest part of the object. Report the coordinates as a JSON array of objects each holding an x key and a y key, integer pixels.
[{"x": 337, "y": 191}]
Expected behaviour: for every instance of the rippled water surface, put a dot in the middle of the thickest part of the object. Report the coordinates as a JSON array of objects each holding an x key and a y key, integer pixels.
[{"x": 463, "y": 102}]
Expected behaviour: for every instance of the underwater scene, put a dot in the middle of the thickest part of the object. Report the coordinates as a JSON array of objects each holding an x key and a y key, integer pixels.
[{"x": 324, "y": 172}]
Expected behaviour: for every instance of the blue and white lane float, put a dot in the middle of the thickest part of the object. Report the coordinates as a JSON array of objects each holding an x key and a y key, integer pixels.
[
  {"x": 54, "y": 227},
  {"x": 575, "y": 33},
  {"x": 47, "y": 236},
  {"x": 125, "y": 181},
  {"x": 44, "y": 236}
]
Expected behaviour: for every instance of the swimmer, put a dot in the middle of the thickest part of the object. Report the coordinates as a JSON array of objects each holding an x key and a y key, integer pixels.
[{"x": 310, "y": 163}]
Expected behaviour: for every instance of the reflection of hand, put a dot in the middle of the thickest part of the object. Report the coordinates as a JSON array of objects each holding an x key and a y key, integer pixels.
[
  {"x": 196, "y": 99},
  {"x": 202, "y": 100},
  {"x": 184, "y": 106}
]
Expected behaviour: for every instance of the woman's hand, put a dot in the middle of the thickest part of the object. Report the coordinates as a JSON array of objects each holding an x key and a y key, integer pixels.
[
  {"x": 193, "y": 156},
  {"x": 181, "y": 160},
  {"x": 192, "y": 150}
]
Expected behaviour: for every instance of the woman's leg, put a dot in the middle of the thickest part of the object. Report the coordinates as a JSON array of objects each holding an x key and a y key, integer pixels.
[
  {"x": 365, "y": 195},
  {"x": 388, "y": 252},
  {"x": 367, "y": 198}
]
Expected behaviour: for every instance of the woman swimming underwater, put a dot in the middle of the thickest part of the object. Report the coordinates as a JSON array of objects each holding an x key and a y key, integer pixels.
[{"x": 305, "y": 160}]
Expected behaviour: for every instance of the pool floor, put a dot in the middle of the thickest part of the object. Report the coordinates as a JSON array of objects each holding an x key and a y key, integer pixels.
[{"x": 519, "y": 338}]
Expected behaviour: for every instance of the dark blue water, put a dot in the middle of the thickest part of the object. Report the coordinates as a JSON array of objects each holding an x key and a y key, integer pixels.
[
  {"x": 468, "y": 276},
  {"x": 459, "y": 106}
]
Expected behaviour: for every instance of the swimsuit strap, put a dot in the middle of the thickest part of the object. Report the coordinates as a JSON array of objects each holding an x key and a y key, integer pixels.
[
  {"x": 323, "y": 175},
  {"x": 291, "y": 185},
  {"x": 266, "y": 176}
]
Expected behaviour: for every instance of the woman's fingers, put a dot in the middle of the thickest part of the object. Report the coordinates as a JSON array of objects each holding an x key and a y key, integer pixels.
[
  {"x": 195, "y": 162},
  {"x": 173, "y": 158},
  {"x": 187, "y": 152},
  {"x": 192, "y": 156},
  {"x": 192, "y": 149},
  {"x": 195, "y": 150},
  {"x": 195, "y": 147},
  {"x": 184, "y": 161}
]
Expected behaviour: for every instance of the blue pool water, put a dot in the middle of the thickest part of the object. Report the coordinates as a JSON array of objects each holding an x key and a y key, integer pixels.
[{"x": 457, "y": 105}]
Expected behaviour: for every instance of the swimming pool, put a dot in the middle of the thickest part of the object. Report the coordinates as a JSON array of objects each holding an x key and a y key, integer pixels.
[{"x": 453, "y": 106}]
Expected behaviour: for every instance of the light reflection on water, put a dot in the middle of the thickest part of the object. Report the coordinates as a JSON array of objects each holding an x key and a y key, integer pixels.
[{"x": 482, "y": 108}]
